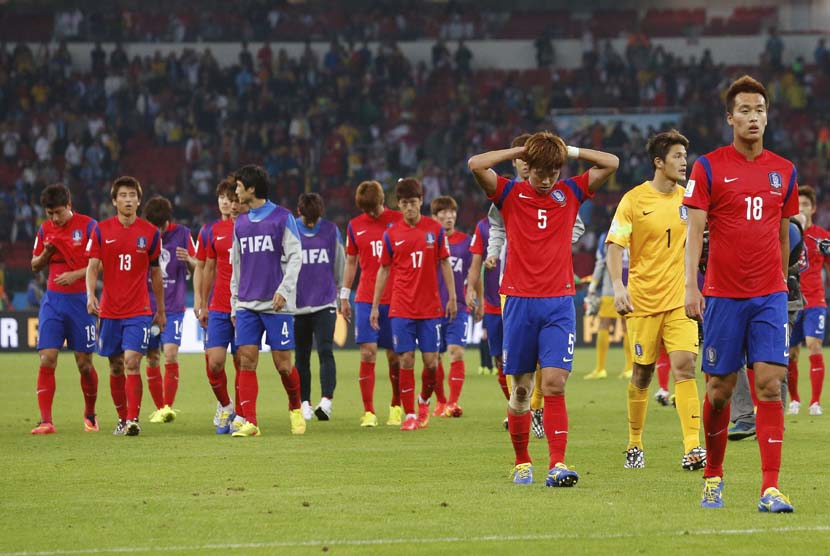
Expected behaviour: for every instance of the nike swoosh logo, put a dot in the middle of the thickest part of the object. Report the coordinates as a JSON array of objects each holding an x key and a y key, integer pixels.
[
  {"x": 560, "y": 432},
  {"x": 566, "y": 360},
  {"x": 282, "y": 343},
  {"x": 772, "y": 441},
  {"x": 220, "y": 238},
  {"x": 729, "y": 180},
  {"x": 360, "y": 233},
  {"x": 646, "y": 213},
  {"x": 407, "y": 390},
  {"x": 716, "y": 433},
  {"x": 399, "y": 242},
  {"x": 108, "y": 241},
  {"x": 243, "y": 402},
  {"x": 39, "y": 391},
  {"x": 523, "y": 196}
]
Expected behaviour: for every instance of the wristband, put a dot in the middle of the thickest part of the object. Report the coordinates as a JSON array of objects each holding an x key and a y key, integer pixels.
[
  {"x": 573, "y": 152},
  {"x": 345, "y": 293}
]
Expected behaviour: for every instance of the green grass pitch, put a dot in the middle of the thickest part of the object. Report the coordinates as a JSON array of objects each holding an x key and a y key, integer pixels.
[{"x": 180, "y": 489}]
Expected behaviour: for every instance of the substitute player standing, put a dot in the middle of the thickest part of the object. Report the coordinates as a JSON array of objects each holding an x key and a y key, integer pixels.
[
  {"x": 746, "y": 194},
  {"x": 60, "y": 244},
  {"x": 126, "y": 248},
  {"x": 539, "y": 315},
  {"x": 650, "y": 222}
]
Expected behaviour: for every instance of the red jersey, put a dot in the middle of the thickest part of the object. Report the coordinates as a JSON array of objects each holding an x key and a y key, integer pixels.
[
  {"x": 364, "y": 239},
  {"x": 70, "y": 250},
  {"x": 539, "y": 228},
  {"x": 812, "y": 284},
  {"x": 125, "y": 253},
  {"x": 415, "y": 253},
  {"x": 219, "y": 242},
  {"x": 746, "y": 202}
]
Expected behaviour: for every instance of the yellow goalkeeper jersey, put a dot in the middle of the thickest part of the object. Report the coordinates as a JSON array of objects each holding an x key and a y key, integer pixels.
[{"x": 652, "y": 225}]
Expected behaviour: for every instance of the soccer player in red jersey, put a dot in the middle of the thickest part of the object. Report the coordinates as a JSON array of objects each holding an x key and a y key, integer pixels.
[
  {"x": 809, "y": 326},
  {"x": 364, "y": 244},
  {"x": 415, "y": 250},
  {"x": 746, "y": 194},
  {"x": 60, "y": 244},
  {"x": 539, "y": 315},
  {"x": 126, "y": 248}
]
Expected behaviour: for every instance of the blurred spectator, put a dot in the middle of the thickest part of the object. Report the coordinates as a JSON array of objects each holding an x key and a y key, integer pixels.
[{"x": 35, "y": 289}]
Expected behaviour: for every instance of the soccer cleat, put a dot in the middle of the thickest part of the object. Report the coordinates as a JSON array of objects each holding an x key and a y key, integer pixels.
[
  {"x": 168, "y": 414},
  {"x": 90, "y": 423},
  {"x": 410, "y": 424},
  {"x": 423, "y": 415},
  {"x": 237, "y": 423},
  {"x": 596, "y": 374},
  {"x": 225, "y": 418},
  {"x": 815, "y": 409},
  {"x": 217, "y": 414},
  {"x": 626, "y": 374},
  {"x": 323, "y": 410},
  {"x": 741, "y": 430},
  {"x": 120, "y": 428},
  {"x": 483, "y": 370},
  {"x": 536, "y": 423},
  {"x": 297, "y": 421},
  {"x": 440, "y": 410},
  {"x": 695, "y": 459},
  {"x": 307, "y": 410},
  {"x": 794, "y": 408},
  {"x": 561, "y": 476},
  {"x": 774, "y": 502},
  {"x": 395, "y": 416},
  {"x": 44, "y": 428},
  {"x": 523, "y": 474},
  {"x": 453, "y": 410},
  {"x": 132, "y": 428},
  {"x": 157, "y": 416},
  {"x": 248, "y": 429},
  {"x": 506, "y": 426},
  {"x": 369, "y": 419},
  {"x": 635, "y": 458},
  {"x": 712, "y": 493},
  {"x": 662, "y": 397}
]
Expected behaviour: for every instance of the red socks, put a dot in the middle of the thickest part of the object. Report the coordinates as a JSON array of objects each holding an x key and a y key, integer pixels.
[
  {"x": 750, "y": 377},
  {"x": 457, "y": 372},
  {"x": 366, "y": 380},
  {"x": 45, "y": 392},
  {"x": 89, "y": 386},
  {"x": 519, "y": 428},
  {"x": 715, "y": 425},
  {"x": 156, "y": 386},
  {"x": 428, "y": 384},
  {"x": 171, "y": 383},
  {"x": 769, "y": 428},
  {"x": 407, "y": 382},
  {"x": 555, "y": 422},
  {"x": 119, "y": 394},
  {"x": 219, "y": 385},
  {"x": 248, "y": 392},
  {"x": 503, "y": 381},
  {"x": 394, "y": 379},
  {"x": 792, "y": 380},
  {"x": 291, "y": 383},
  {"x": 237, "y": 396},
  {"x": 440, "y": 396},
  {"x": 663, "y": 368},
  {"x": 816, "y": 377},
  {"x": 134, "y": 390}
]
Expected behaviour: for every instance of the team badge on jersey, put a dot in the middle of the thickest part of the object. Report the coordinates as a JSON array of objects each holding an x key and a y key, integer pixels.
[
  {"x": 775, "y": 180},
  {"x": 77, "y": 237},
  {"x": 684, "y": 212},
  {"x": 638, "y": 350},
  {"x": 558, "y": 195},
  {"x": 142, "y": 242},
  {"x": 711, "y": 355},
  {"x": 430, "y": 238}
]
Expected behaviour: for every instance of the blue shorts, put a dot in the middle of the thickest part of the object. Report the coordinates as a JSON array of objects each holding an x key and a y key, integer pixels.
[
  {"x": 741, "y": 331},
  {"x": 810, "y": 322},
  {"x": 172, "y": 333},
  {"x": 279, "y": 329},
  {"x": 454, "y": 333},
  {"x": 220, "y": 331},
  {"x": 119, "y": 335},
  {"x": 426, "y": 332},
  {"x": 495, "y": 333},
  {"x": 539, "y": 329},
  {"x": 363, "y": 331},
  {"x": 63, "y": 317}
]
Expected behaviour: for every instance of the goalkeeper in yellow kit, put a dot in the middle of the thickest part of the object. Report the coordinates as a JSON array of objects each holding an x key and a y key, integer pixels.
[{"x": 651, "y": 222}]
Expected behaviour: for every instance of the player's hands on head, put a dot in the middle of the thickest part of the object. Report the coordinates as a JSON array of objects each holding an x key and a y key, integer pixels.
[
  {"x": 346, "y": 309},
  {"x": 92, "y": 305},
  {"x": 374, "y": 318},
  {"x": 490, "y": 263},
  {"x": 278, "y": 302},
  {"x": 695, "y": 304}
]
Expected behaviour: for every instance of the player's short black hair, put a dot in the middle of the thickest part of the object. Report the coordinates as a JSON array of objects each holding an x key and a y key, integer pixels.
[
  {"x": 408, "y": 188},
  {"x": 128, "y": 182},
  {"x": 659, "y": 145},
  {"x": 55, "y": 195},
  {"x": 310, "y": 206},
  {"x": 745, "y": 84},
  {"x": 158, "y": 211},
  {"x": 253, "y": 177}
]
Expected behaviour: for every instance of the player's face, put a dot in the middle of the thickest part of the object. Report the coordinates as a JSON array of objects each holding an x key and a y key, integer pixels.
[
  {"x": 447, "y": 219},
  {"x": 126, "y": 201},
  {"x": 805, "y": 207},
  {"x": 237, "y": 208},
  {"x": 224, "y": 204},
  {"x": 245, "y": 196},
  {"x": 522, "y": 169},
  {"x": 411, "y": 208},
  {"x": 674, "y": 167},
  {"x": 749, "y": 117},
  {"x": 543, "y": 182},
  {"x": 59, "y": 215}
]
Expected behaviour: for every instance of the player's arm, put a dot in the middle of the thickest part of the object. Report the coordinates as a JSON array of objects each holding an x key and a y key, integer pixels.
[
  {"x": 604, "y": 165},
  {"x": 92, "y": 269},
  {"x": 449, "y": 280},
  {"x": 579, "y": 229},
  {"x": 346, "y": 291},
  {"x": 380, "y": 284},
  {"x": 599, "y": 269},
  {"x": 198, "y": 273},
  {"x": 157, "y": 281},
  {"x": 206, "y": 282},
  {"x": 498, "y": 236},
  {"x": 292, "y": 252},
  {"x": 479, "y": 313},
  {"x": 622, "y": 301},
  {"x": 235, "y": 261},
  {"x": 481, "y": 165},
  {"x": 473, "y": 282},
  {"x": 694, "y": 246},
  {"x": 784, "y": 239}
]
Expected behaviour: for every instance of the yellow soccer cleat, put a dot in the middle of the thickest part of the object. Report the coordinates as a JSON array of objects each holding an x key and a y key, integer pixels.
[
  {"x": 596, "y": 374},
  {"x": 157, "y": 416},
  {"x": 395, "y": 416},
  {"x": 168, "y": 414},
  {"x": 297, "y": 421},
  {"x": 626, "y": 374},
  {"x": 248, "y": 429},
  {"x": 369, "y": 419}
]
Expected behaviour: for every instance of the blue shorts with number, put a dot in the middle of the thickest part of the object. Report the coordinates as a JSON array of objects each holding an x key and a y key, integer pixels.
[
  {"x": 454, "y": 332},
  {"x": 425, "y": 334},
  {"x": 363, "y": 331},
  {"x": 119, "y": 335},
  {"x": 278, "y": 328},
  {"x": 172, "y": 333},
  {"x": 220, "y": 331},
  {"x": 741, "y": 331},
  {"x": 810, "y": 322},
  {"x": 63, "y": 317},
  {"x": 495, "y": 333},
  {"x": 538, "y": 328}
]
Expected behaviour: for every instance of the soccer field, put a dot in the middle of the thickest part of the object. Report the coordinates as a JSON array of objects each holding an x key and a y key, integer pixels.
[{"x": 180, "y": 489}]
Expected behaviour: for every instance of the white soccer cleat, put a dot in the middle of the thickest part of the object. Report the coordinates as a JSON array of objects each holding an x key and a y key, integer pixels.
[
  {"x": 217, "y": 415},
  {"x": 794, "y": 408},
  {"x": 815, "y": 409},
  {"x": 323, "y": 409},
  {"x": 307, "y": 411}
]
